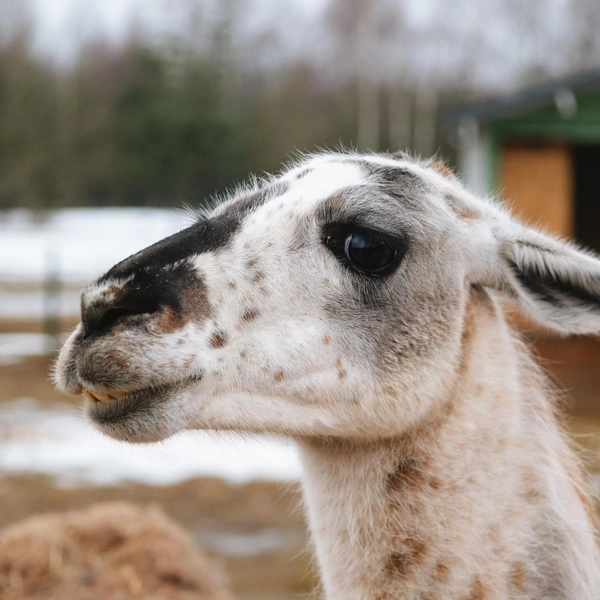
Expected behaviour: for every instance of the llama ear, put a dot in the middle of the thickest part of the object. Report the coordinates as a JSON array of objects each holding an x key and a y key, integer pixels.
[{"x": 552, "y": 281}]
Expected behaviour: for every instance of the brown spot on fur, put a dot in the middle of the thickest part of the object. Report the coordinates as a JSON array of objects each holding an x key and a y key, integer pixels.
[
  {"x": 232, "y": 285},
  {"x": 258, "y": 276},
  {"x": 531, "y": 485},
  {"x": 442, "y": 571},
  {"x": 327, "y": 339},
  {"x": 168, "y": 320},
  {"x": 518, "y": 576},
  {"x": 397, "y": 563},
  {"x": 408, "y": 471},
  {"x": 338, "y": 363},
  {"x": 195, "y": 301},
  {"x": 243, "y": 354},
  {"x": 477, "y": 590},
  {"x": 116, "y": 360},
  {"x": 303, "y": 173},
  {"x": 443, "y": 169},
  {"x": 342, "y": 374},
  {"x": 446, "y": 410},
  {"x": 461, "y": 210},
  {"x": 218, "y": 339},
  {"x": 252, "y": 263},
  {"x": 413, "y": 553},
  {"x": 466, "y": 213},
  {"x": 250, "y": 314},
  {"x": 435, "y": 483},
  {"x": 279, "y": 375}
]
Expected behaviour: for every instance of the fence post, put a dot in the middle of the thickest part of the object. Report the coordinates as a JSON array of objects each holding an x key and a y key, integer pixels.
[{"x": 52, "y": 295}]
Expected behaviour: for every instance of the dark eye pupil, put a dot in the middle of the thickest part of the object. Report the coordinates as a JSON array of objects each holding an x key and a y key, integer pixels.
[{"x": 368, "y": 252}]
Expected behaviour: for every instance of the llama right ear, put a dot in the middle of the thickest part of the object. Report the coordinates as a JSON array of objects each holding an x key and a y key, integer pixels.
[{"x": 551, "y": 281}]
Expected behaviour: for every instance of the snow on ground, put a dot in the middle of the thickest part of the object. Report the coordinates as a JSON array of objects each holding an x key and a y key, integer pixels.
[
  {"x": 81, "y": 243},
  {"x": 30, "y": 304},
  {"x": 15, "y": 346},
  {"x": 59, "y": 442}
]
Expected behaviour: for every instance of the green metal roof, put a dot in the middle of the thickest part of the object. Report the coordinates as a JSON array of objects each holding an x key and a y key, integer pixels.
[
  {"x": 582, "y": 125},
  {"x": 526, "y": 101},
  {"x": 562, "y": 109}
]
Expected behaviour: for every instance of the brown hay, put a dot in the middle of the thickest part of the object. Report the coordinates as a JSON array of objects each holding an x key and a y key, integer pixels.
[{"x": 111, "y": 551}]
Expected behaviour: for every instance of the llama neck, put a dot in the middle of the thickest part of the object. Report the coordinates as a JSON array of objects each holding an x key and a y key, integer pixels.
[{"x": 458, "y": 508}]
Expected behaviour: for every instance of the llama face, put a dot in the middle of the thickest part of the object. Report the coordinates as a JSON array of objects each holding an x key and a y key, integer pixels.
[
  {"x": 327, "y": 302},
  {"x": 269, "y": 316}
]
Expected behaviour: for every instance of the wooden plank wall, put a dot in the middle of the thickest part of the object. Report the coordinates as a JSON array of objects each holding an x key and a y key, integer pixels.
[{"x": 537, "y": 181}]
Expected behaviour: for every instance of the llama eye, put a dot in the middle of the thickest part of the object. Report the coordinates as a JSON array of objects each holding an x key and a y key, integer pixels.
[{"x": 369, "y": 253}]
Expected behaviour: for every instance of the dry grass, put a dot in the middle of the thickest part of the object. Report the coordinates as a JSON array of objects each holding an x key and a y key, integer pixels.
[{"x": 112, "y": 551}]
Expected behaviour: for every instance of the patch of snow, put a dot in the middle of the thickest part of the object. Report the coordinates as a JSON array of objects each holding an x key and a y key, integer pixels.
[
  {"x": 56, "y": 440},
  {"x": 78, "y": 245},
  {"x": 14, "y": 305},
  {"x": 15, "y": 346}
]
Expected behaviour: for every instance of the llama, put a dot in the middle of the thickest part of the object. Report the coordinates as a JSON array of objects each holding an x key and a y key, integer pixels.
[{"x": 355, "y": 305}]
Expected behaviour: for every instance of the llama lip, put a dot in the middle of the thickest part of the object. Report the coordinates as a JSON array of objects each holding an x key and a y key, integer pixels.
[{"x": 119, "y": 407}]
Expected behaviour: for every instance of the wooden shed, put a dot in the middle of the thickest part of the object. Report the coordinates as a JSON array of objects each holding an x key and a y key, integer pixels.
[{"x": 540, "y": 149}]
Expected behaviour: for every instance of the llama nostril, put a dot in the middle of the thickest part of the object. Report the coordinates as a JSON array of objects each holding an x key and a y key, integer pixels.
[
  {"x": 101, "y": 318},
  {"x": 118, "y": 313}
]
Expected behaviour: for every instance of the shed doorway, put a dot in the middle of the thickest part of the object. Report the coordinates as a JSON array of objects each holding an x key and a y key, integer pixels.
[{"x": 586, "y": 165}]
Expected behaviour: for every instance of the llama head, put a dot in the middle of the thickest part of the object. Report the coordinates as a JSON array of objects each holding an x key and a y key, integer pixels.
[{"x": 327, "y": 302}]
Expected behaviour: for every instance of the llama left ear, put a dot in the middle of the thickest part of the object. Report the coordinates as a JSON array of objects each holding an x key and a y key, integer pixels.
[{"x": 553, "y": 282}]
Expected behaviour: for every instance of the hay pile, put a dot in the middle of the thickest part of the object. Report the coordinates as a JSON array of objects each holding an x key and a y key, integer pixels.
[{"x": 113, "y": 551}]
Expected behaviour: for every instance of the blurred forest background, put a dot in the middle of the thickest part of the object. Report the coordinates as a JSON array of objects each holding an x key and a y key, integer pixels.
[{"x": 198, "y": 93}]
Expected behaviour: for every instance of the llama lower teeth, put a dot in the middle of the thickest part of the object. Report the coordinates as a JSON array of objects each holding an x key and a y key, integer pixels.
[{"x": 96, "y": 397}]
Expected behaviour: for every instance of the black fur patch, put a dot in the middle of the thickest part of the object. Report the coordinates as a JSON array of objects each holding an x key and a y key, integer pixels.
[
  {"x": 549, "y": 288},
  {"x": 204, "y": 236}
]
